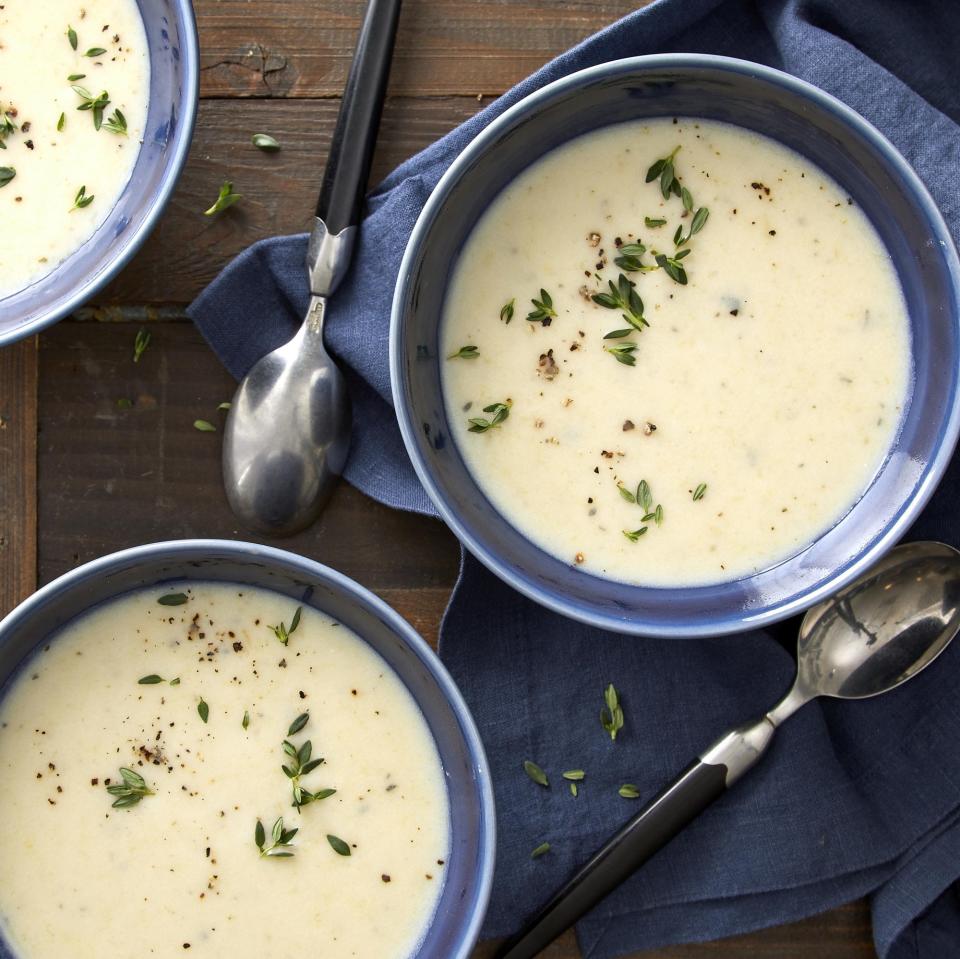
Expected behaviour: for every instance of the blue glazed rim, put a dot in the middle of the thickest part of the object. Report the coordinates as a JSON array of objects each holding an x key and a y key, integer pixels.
[
  {"x": 192, "y": 550},
  {"x": 179, "y": 148},
  {"x": 743, "y": 619}
]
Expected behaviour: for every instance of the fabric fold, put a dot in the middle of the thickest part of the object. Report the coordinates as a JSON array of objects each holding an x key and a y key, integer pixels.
[{"x": 853, "y": 799}]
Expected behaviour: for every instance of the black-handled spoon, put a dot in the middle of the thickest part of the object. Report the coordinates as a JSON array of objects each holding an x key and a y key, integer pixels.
[
  {"x": 875, "y": 634},
  {"x": 288, "y": 429}
]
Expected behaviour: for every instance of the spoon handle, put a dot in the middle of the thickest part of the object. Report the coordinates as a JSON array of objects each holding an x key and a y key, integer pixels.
[
  {"x": 673, "y": 808},
  {"x": 351, "y": 149}
]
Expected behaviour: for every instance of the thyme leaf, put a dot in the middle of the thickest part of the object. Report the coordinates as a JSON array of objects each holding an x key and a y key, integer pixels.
[
  {"x": 265, "y": 142},
  {"x": 282, "y": 632},
  {"x": 611, "y": 717},
  {"x": 82, "y": 199},
  {"x": 500, "y": 412},
  {"x": 130, "y": 791},
  {"x": 226, "y": 198},
  {"x": 543, "y": 848},
  {"x": 465, "y": 353},
  {"x": 629, "y": 791},
  {"x": 7, "y": 173},
  {"x": 72, "y": 37},
  {"x": 338, "y": 845},
  {"x": 203, "y": 709},
  {"x": 623, "y": 353},
  {"x": 699, "y": 492},
  {"x": 173, "y": 599},
  {"x": 506, "y": 311},
  {"x": 140, "y": 343},
  {"x": 204, "y": 426},
  {"x": 535, "y": 773}
]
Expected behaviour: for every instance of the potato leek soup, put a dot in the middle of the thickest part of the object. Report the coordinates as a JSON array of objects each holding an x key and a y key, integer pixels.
[
  {"x": 212, "y": 768},
  {"x": 74, "y": 82},
  {"x": 674, "y": 352}
]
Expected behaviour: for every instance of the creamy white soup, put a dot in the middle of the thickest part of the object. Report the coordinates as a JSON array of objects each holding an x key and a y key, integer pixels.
[
  {"x": 140, "y": 748},
  {"x": 674, "y": 352},
  {"x": 74, "y": 83}
]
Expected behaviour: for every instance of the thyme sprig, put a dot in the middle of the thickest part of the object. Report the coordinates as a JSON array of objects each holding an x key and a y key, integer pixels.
[
  {"x": 506, "y": 311},
  {"x": 623, "y": 352},
  {"x": 226, "y": 198},
  {"x": 643, "y": 497},
  {"x": 282, "y": 845},
  {"x": 95, "y": 104},
  {"x": 628, "y": 258},
  {"x": 301, "y": 764},
  {"x": 543, "y": 311},
  {"x": 611, "y": 717},
  {"x": 140, "y": 343},
  {"x": 500, "y": 411},
  {"x": 130, "y": 791},
  {"x": 117, "y": 123},
  {"x": 465, "y": 353},
  {"x": 663, "y": 169},
  {"x": 82, "y": 199},
  {"x": 623, "y": 296},
  {"x": 282, "y": 632}
]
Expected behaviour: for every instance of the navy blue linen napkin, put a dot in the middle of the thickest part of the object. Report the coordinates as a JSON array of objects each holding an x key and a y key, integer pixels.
[{"x": 854, "y": 798}]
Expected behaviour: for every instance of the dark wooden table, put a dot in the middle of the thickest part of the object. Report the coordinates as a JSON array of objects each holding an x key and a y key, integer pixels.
[{"x": 81, "y": 476}]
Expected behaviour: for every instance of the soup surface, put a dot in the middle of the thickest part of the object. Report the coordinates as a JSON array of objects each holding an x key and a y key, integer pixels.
[
  {"x": 674, "y": 390},
  {"x": 65, "y": 69},
  {"x": 198, "y": 700}
]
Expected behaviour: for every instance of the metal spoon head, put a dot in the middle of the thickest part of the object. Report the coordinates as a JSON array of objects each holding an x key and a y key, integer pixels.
[
  {"x": 287, "y": 434},
  {"x": 884, "y": 627}
]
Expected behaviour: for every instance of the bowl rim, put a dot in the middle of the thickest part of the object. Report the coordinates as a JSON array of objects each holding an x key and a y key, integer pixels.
[
  {"x": 634, "y": 623},
  {"x": 199, "y": 548},
  {"x": 183, "y": 135}
]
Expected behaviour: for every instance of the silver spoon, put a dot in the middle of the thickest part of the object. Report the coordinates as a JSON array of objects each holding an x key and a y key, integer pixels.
[
  {"x": 288, "y": 429},
  {"x": 868, "y": 639}
]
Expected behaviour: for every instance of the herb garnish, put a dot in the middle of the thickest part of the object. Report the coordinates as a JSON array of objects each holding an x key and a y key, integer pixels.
[
  {"x": 611, "y": 717},
  {"x": 61, "y": 123},
  {"x": 301, "y": 765},
  {"x": 7, "y": 126},
  {"x": 76, "y": 76},
  {"x": 623, "y": 352},
  {"x": 226, "y": 198},
  {"x": 629, "y": 258},
  {"x": 543, "y": 311},
  {"x": 699, "y": 492},
  {"x": 672, "y": 266},
  {"x": 265, "y": 142},
  {"x": 117, "y": 123},
  {"x": 338, "y": 845},
  {"x": 623, "y": 296},
  {"x": 506, "y": 311},
  {"x": 298, "y": 724},
  {"x": 7, "y": 173},
  {"x": 663, "y": 169},
  {"x": 574, "y": 776},
  {"x": 465, "y": 353},
  {"x": 535, "y": 773},
  {"x": 153, "y": 679},
  {"x": 245, "y": 722},
  {"x": 97, "y": 104},
  {"x": 282, "y": 840},
  {"x": 500, "y": 412},
  {"x": 544, "y": 847},
  {"x": 204, "y": 426},
  {"x": 653, "y": 222},
  {"x": 173, "y": 599},
  {"x": 629, "y": 791},
  {"x": 95, "y": 52},
  {"x": 282, "y": 632},
  {"x": 203, "y": 709},
  {"x": 140, "y": 343},
  {"x": 82, "y": 200},
  {"x": 72, "y": 37},
  {"x": 634, "y": 535},
  {"x": 130, "y": 791}
]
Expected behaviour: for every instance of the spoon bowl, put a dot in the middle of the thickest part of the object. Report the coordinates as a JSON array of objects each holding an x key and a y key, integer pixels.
[
  {"x": 884, "y": 627},
  {"x": 297, "y": 397}
]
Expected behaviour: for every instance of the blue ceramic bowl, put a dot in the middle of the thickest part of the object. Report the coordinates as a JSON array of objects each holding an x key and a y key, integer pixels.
[
  {"x": 469, "y": 868},
  {"x": 810, "y": 122},
  {"x": 174, "y": 77}
]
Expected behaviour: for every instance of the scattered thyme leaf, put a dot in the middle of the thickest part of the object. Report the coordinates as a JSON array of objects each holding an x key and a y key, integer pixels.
[
  {"x": 82, "y": 199},
  {"x": 204, "y": 426},
  {"x": 635, "y": 534},
  {"x": 203, "y": 709},
  {"x": 7, "y": 173},
  {"x": 72, "y": 37},
  {"x": 265, "y": 142},
  {"x": 245, "y": 722},
  {"x": 173, "y": 599},
  {"x": 535, "y": 773},
  {"x": 543, "y": 848},
  {"x": 629, "y": 791},
  {"x": 338, "y": 845},
  {"x": 226, "y": 198},
  {"x": 506, "y": 311},
  {"x": 574, "y": 775},
  {"x": 282, "y": 632},
  {"x": 95, "y": 52},
  {"x": 653, "y": 222},
  {"x": 699, "y": 492},
  {"x": 465, "y": 353},
  {"x": 543, "y": 311},
  {"x": 150, "y": 680},
  {"x": 61, "y": 123},
  {"x": 500, "y": 411},
  {"x": 623, "y": 353},
  {"x": 140, "y": 343},
  {"x": 117, "y": 124},
  {"x": 611, "y": 717},
  {"x": 298, "y": 724},
  {"x": 130, "y": 791}
]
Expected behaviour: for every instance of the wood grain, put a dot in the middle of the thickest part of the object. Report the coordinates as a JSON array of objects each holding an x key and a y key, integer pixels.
[
  {"x": 279, "y": 189},
  {"x": 288, "y": 48},
  {"x": 18, "y": 473}
]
